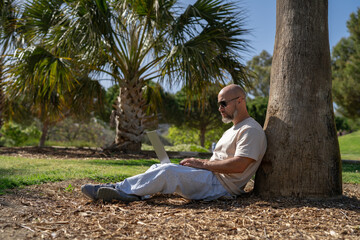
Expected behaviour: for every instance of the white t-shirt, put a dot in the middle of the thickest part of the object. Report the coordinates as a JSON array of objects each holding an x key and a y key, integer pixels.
[{"x": 245, "y": 139}]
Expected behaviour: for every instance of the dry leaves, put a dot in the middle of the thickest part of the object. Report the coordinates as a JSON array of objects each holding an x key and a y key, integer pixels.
[{"x": 49, "y": 211}]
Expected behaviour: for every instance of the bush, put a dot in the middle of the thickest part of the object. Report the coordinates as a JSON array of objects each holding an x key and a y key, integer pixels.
[
  {"x": 13, "y": 134},
  {"x": 341, "y": 124},
  {"x": 183, "y": 135}
]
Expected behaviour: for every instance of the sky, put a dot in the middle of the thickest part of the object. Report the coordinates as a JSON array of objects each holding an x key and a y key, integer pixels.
[{"x": 262, "y": 20}]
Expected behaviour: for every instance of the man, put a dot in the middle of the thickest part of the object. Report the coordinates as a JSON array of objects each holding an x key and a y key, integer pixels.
[{"x": 235, "y": 160}]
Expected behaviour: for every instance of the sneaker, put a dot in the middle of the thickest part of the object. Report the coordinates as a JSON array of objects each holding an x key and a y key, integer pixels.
[
  {"x": 90, "y": 190},
  {"x": 108, "y": 194}
]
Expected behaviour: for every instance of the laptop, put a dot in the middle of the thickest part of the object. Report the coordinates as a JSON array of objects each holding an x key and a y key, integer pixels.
[{"x": 158, "y": 147}]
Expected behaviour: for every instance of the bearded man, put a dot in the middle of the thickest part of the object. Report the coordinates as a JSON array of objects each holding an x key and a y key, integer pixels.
[{"x": 235, "y": 159}]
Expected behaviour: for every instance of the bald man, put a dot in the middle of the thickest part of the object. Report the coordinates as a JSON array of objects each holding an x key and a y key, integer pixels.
[{"x": 235, "y": 159}]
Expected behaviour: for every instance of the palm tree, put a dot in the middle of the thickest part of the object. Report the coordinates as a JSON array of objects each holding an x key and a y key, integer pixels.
[
  {"x": 41, "y": 77},
  {"x": 40, "y": 80},
  {"x": 136, "y": 41},
  {"x": 8, "y": 33}
]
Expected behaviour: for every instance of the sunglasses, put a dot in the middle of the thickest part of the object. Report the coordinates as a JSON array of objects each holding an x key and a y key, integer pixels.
[{"x": 225, "y": 103}]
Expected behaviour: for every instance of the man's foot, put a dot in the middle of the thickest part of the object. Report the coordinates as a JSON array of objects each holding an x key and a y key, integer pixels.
[
  {"x": 90, "y": 190},
  {"x": 108, "y": 194}
]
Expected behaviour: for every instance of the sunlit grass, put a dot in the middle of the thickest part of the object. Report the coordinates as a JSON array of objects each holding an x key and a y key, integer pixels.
[
  {"x": 350, "y": 146},
  {"x": 20, "y": 171},
  {"x": 351, "y": 173}
]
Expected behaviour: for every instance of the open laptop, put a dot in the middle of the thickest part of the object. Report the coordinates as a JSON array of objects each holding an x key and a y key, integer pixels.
[{"x": 158, "y": 147}]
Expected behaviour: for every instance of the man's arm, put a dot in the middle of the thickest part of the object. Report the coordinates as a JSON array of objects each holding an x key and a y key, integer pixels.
[{"x": 230, "y": 165}]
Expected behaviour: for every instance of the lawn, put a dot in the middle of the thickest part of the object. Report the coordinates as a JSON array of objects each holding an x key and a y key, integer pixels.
[
  {"x": 20, "y": 171},
  {"x": 350, "y": 146}
]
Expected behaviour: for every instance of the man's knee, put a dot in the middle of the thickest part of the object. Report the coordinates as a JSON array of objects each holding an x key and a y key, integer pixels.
[{"x": 168, "y": 169}]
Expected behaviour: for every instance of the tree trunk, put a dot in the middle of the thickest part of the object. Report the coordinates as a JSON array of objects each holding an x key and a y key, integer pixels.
[
  {"x": 1, "y": 91},
  {"x": 129, "y": 117},
  {"x": 44, "y": 132},
  {"x": 303, "y": 157},
  {"x": 202, "y": 136}
]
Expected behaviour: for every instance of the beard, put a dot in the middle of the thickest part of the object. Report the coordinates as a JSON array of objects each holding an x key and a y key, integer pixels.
[{"x": 228, "y": 118}]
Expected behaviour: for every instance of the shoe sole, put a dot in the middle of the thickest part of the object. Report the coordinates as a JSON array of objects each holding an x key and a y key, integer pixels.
[
  {"x": 89, "y": 191},
  {"x": 85, "y": 191},
  {"x": 109, "y": 194}
]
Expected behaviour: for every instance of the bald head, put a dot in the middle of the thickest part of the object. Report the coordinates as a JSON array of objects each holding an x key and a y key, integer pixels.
[
  {"x": 232, "y": 91},
  {"x": 232, "y": 104}
]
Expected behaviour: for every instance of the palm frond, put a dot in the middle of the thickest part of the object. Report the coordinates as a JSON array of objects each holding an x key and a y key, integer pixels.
[{"x": 207, "y": 37}]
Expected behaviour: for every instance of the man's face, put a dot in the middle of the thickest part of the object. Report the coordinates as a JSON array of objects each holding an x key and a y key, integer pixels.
[{"x": 227, "y": 108}]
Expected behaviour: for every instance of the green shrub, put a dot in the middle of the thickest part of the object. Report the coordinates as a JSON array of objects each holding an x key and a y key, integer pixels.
[
  {"x": 13, "y": 134},
  {"x": 183, "y": 135}
]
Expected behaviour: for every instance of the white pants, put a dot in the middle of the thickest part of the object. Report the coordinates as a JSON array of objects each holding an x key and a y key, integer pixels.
[{"x": 190, "y": 183}]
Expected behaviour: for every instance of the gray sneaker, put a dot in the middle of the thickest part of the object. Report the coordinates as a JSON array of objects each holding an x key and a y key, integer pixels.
[
  {"x": 90, "y": 190},
  {"x": 108, "y": 194}
]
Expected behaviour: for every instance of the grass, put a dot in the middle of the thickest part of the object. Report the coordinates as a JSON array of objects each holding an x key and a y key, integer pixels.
[
  {"x": 19, "y": 171},
  {"x": 74, "y": 143},
  {"x": 351, "y": 173},
  {"x": 350, "y": 146}
]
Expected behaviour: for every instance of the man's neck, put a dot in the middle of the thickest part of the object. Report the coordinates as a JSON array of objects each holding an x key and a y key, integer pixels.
[{"x": 240, "y": 119}]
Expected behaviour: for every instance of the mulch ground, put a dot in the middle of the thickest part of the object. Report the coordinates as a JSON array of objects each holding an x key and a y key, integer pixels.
[{"x": 60, "y": 211}]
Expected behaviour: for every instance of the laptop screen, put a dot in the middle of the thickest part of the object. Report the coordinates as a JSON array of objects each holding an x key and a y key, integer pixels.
[{"x": 158, "y": 147}]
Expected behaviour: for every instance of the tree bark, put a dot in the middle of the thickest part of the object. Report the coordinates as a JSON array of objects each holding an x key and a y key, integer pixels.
[
  {"x": 44, "y": 132},
  {"x": 303, "y": 157},
  {"x": 129, "y": 118},
  {"x": 1, "y": 91}
]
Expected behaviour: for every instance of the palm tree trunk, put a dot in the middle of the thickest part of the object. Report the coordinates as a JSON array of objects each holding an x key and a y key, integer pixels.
[
  {"x": 129, "y": 118},
  {"x": 303, "y": 157},
  {"x": 44, "y": 132},
  {"x": 1, "y": 92}
]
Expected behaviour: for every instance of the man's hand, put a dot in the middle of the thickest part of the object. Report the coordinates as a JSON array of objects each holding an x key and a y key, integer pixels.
[{"x": 194, "y": 162}]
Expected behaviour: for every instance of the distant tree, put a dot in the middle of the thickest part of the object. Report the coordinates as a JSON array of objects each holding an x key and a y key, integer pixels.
[
  {"x": 200, "y": 116},
  {"x": 260, "y": 67},
  {"x": 257, "y": 108},
  {"x": 183, "y": 135},
  {"x": 87, "y": 132},
  {"x": 346, "y": 70},
  {"x": 170, "y": 110},
  {"x": 342, "y": 124}
]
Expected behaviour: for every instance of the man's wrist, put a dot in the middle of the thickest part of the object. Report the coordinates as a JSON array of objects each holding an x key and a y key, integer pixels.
[{"x": 207, "y": 165}]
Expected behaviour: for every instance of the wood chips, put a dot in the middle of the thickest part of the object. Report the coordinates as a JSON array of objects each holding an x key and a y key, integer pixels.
[{"x": 60, "y": 211}]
